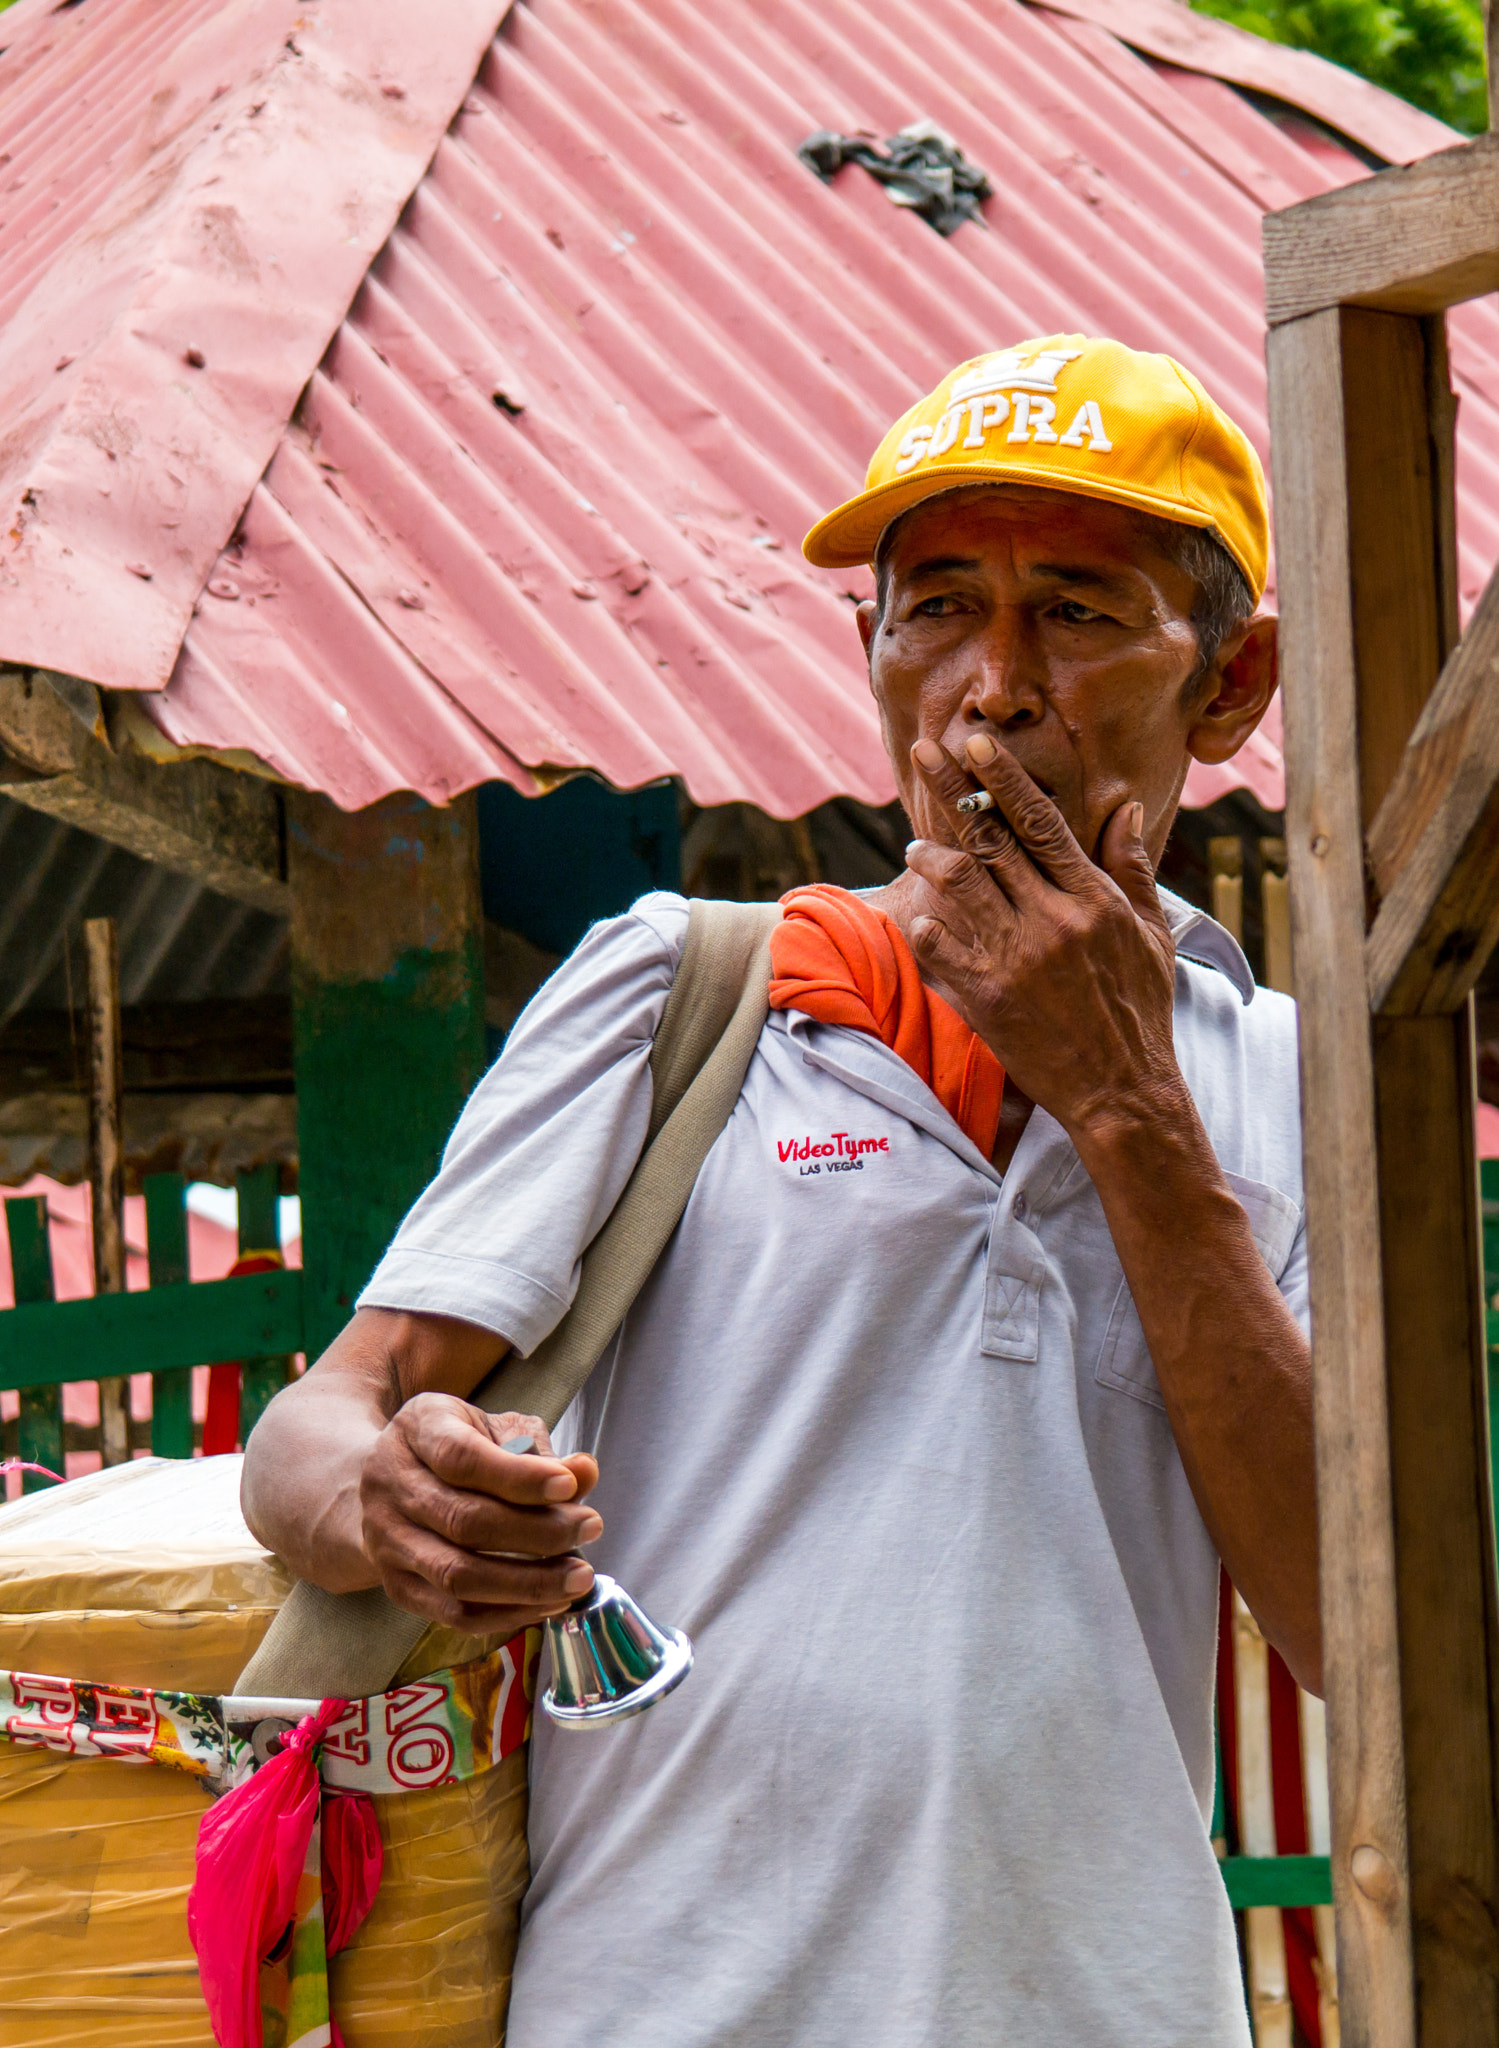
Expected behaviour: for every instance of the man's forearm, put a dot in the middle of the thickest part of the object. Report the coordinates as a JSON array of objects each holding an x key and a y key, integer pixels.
[
  {"x": 300, "y": 1491},
  {"x": 1233, "y": 1365},
  {"x": 305, "y": 1462},
  {"x": 374, "y": 1469}
]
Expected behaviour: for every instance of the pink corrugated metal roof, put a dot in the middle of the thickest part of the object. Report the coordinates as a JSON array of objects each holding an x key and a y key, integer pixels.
[
  {"x": 193, "y": 196},
  {"x": 540, "y": 506}
]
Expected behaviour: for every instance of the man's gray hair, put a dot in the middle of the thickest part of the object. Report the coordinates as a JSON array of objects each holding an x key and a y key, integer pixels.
[{"x": 1223, "y": 602}]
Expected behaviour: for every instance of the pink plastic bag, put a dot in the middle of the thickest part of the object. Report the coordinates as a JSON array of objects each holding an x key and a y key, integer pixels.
[
  {"x": 252, "y": 1851},
  {"x": 353, "y": 1859}
]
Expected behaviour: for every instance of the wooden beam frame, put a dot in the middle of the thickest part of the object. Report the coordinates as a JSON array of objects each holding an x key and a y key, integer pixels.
[
  {"x": 1410, "y": 241},
  {"x": 1433, "y": 844},
  {"x": 1392, "y": 740},
  {"x": 232, "y": 1043},
  {"x": 223, "y": 828}
]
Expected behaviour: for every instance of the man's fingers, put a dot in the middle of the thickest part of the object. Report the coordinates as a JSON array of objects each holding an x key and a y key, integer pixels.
[
  {"x": 457, "y": 1442},
  {"x": 422, "y": 1596},
  {"x": 477, "y": 1521},
  {"x": 945, "y": 948},
  {"x": 942, "y": 952},
  {"x": 505, "y": 1428},
  {"x": 1124, "y": 856},
  {"x": 984, "y": 834},
  {"x": 474, "y": 1580},
  {"x": 470, "y": 1542},
  {"x": 962, "y": 892},
  {"x": 1031, "y": 815},
  {"x": 511, "y": 1425},
  {"x": 418, "y": 1597}
]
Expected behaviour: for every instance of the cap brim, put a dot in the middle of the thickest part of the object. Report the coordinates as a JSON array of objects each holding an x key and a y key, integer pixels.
[{"x": 850, "y": 533}]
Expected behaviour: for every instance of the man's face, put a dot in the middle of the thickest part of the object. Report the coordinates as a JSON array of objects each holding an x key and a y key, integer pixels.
[{"x": 1053, "y": 622}]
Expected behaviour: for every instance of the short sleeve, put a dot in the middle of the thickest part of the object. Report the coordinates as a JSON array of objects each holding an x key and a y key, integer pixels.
[
  {"x": 1294, "y": 1286},
  {"x": 546, "y": 1143}
]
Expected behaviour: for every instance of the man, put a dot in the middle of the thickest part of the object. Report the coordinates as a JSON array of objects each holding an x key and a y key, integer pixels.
[{"x": 977, "y": 1346}]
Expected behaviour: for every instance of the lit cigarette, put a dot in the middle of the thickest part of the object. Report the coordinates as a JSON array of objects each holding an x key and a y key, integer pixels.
[{"x": 979, "y": 800}]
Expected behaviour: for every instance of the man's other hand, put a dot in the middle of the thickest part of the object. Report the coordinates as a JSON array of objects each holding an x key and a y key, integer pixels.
[
  {"x": 1065, "y": 969},
  {"x": 470, "y": 1535}
]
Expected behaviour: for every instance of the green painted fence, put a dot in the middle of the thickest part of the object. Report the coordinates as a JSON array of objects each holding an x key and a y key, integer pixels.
[
  {"x": 163, "y": 1329},
  {"x": 1277, "y": 1881},
  {"x": 166, "y": 1328}
]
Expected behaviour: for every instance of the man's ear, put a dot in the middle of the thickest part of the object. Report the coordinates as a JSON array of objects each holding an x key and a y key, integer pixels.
[
  {"x": 867, "y": 612},
  {"x": 1236, "y": 693}
]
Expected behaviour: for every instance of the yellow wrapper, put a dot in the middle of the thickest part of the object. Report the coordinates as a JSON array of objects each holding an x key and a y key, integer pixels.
[{"x": 148, "y": 1576}]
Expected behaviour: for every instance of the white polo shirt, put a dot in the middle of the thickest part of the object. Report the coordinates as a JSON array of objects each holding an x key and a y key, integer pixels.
[{"x": 883, "y": 1435}]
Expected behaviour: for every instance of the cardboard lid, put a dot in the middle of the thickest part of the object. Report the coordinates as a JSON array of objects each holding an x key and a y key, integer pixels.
[{"x": 162, "y": 1535}]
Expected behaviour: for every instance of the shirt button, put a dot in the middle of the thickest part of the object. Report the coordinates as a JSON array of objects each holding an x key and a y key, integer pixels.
[{"x": 1019, "y": 1208}]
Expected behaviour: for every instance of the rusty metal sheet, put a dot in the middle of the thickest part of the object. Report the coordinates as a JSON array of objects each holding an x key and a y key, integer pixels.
[
  {"x": 204, "y": 1137},
  {"x": 192, "y": 196},
  {"x": 541, "y": 505}
]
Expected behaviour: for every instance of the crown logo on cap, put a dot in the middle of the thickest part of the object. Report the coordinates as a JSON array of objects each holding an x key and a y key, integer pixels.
[{"x": 1013, "y": 369}]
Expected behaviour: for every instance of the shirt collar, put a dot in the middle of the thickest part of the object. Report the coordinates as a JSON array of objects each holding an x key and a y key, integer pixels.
[{"x": 1200, "y": 938}]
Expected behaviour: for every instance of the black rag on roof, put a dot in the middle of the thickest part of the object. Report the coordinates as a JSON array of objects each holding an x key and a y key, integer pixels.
[{"x": 920, "y": 167}]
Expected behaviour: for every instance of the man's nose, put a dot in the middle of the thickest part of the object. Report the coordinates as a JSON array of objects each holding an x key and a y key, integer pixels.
[{"x": 1006, "y": 687}]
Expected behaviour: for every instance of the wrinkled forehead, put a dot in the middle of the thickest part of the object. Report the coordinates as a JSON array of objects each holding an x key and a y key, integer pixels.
[{"x": 1021, "y": 517}]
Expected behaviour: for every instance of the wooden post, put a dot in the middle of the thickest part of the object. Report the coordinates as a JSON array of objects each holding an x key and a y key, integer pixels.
[
  {"x": 166, "y": 1259},
  {"x": 106, "y": 1152},
  {"x": 40, "y": 1440},
  {"x": 387, "y": 979},
  {"x": 1226, "y": 869},
  {"x": 1275, "y": 912},
  {"x": 261, "y": 1379},
  {"x": 1362, "y": 417},
  {"x": 1313, "y": 1717}
]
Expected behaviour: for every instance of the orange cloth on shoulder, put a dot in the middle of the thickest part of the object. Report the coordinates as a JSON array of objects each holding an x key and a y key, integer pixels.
[{"x": 842, "y": 962}]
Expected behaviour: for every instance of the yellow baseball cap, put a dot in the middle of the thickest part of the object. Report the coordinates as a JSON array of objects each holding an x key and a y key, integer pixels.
[{"x": 1072, "y": 413}]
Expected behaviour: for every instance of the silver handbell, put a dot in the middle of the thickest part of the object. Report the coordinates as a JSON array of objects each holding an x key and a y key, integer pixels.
[{"x": 609, "y": 1659}]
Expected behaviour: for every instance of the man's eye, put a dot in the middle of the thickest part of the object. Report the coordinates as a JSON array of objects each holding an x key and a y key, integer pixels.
[
  {"x": 1073, "y": 614},
  {"x": 937, "y": 608}
]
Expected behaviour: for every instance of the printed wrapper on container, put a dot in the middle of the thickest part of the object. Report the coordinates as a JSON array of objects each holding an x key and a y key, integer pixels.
[{"x": 147, "y": 1575}]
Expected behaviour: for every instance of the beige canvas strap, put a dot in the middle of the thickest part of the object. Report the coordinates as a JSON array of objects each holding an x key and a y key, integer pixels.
[{"x": 350, "y": 1645}]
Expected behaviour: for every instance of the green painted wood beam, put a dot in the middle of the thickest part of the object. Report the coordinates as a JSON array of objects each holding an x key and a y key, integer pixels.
[
  {"x": 40, "y": 1434},
  {"x": 166, "y": 1263},
  {"x": 388, "y": 1022},
  {"x": 46, "y": 1343},
  {"x": 261, "y": 1379},
  {"x": 1277, "y": 1881}
]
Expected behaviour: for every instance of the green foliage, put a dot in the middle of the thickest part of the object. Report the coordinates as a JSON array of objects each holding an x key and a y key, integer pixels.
[{"x": 1428, "y": 51}]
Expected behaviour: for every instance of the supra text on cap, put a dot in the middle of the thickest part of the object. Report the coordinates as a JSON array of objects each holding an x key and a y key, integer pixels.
[{"x": 1068, "y": 413}]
